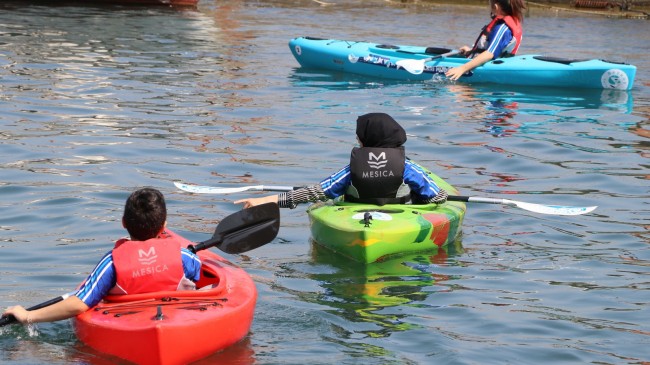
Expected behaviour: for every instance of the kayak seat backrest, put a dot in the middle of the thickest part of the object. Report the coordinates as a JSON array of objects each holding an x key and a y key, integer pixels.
[
  {"x": 436, "y": 50},
  {"x": 387, "y": 46},
  {"x": 210, "y": 277}
]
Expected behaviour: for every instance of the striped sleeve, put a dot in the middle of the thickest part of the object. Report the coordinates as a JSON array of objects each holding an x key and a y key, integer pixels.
[
  {"x": 308, "y": 194},
  {"x": 191, "y": 265},
  {"x": 336, "y": 185},
  {"x": 499, "y": 39},
  {"x": 422, "y": 186},
  {"x": 100, "y": 281},
  {"x": 330, "y": 188}
]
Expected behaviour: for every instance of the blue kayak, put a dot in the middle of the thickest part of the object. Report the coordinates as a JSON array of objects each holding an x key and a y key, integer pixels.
[{"x": 427, "y": 63}]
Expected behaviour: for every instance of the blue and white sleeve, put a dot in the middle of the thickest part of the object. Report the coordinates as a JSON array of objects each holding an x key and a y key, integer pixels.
[
  {"x": 191, "y": 265},
  {"x": 422, "y": 186},
  {"x": 100, "y": 281},
  {"x": 336, "y": 184},
  {"x": 498, "y": 40}
]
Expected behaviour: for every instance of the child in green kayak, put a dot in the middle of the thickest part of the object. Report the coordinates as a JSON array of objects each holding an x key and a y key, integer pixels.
[
  {"x": 379, "y": 172},
  {"x": 500, "y": 38},
  {"x": 121, "y": 271}
]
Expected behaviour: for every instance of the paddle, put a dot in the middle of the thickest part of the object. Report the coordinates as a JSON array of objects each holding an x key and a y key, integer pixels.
[
  {"x": 531, "y": 207},
  {"x": 416, "y": 67},
  {"x": 5, "y": 320},
  {"x": 215, "y": 190},
  {"x": 239, "y": 232},
  {"x": 245, "y": 230}
]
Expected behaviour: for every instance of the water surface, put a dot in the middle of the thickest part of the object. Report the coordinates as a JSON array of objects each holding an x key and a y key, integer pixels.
[{"x": 97, "y": 101}]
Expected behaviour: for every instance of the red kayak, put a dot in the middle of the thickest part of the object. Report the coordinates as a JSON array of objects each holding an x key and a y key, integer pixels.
[{"x": 174, "y": 327}]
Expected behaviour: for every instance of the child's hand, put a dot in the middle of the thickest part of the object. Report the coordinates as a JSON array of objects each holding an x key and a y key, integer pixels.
[
  {"x": 455, "y": 73},
  {"x": 18, "y": 312},
  {"x": 257, "y": 201}
]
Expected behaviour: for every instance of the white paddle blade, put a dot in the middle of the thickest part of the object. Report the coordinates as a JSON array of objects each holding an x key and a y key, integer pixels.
[
  {"x": 551, "y": 209},
  {"x": 199, "y": 189},
  {"x": 415, "y": 67}
]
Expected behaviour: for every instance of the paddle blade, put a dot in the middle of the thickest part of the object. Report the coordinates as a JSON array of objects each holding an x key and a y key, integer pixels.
[
  {"x": 531, "y": 207},
  {"x": 415, "y": 67},
  {"x": 246, "y": 230},
  {"x": 199, "y": 189},
  {"x": 552, "y": 209}
]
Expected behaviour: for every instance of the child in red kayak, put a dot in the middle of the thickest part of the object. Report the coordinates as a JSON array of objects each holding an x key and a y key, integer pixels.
[
  {"x": 500, "y": 38},
  {"x": 379, "y": 172},
  {"x": 121, "y": 271}
]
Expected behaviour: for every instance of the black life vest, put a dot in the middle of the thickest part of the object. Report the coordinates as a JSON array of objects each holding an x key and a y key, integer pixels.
[{"x": 377, "y": 175}]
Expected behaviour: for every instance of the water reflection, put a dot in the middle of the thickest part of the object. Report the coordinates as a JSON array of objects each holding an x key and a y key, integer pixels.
[
  {"x": 503, "y": 99},
  {"x": 360, "y": 293},
  {"x": 564, "y": 98}
]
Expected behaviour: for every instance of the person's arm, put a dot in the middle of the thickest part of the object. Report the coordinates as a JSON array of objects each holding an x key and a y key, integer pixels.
[
  {"x": 498, "y": 40},
  {"x": 100, "y": 281},
  {"x": 64, "y": 309},
  {"x": 330, "y": 188},
  {"x": 456, "y": 72},
  {"x": 422, "y": 186},
  {"x": 251, "y": 202},
  {"x": 290, "y": 199},
  {"x": 91, "y": 292}
]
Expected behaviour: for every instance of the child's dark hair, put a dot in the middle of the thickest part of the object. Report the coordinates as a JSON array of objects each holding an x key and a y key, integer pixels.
[
  {"x": 145, "y": 213},
  {"x": 514, "y": 8}
]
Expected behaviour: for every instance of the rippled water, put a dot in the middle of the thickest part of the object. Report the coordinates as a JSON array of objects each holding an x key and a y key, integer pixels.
[{"x": 96, "y": 101}]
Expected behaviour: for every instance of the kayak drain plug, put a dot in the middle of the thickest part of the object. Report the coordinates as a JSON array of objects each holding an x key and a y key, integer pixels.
[{"x": 159, "y": 315}]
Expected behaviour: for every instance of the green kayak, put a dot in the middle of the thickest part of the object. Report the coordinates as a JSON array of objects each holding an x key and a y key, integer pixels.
[{"x": 369, "y": 233}]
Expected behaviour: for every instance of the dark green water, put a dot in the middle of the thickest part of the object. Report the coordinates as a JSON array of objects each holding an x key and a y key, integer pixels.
[{"x": 96, "y": 101}]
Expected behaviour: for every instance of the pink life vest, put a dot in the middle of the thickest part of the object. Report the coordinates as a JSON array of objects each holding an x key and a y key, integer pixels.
[
  {"x": 515, "y": 28},
  {"x": 149, "y": 266}
]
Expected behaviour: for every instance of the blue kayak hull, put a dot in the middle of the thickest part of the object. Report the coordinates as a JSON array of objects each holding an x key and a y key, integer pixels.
[{"x": 377, "y": 60}]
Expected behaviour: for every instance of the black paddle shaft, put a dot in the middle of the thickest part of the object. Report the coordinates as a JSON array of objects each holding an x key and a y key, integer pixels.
[{"x": 5, "y": 320}]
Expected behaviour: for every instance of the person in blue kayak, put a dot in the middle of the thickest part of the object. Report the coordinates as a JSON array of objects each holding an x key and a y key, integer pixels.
[
  {"x": 379, "y": 172},
  {"x": 152, "y": 259},
  {"x": 500, "y": 38}
]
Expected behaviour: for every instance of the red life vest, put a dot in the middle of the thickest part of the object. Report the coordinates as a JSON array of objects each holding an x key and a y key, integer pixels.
[
  {"x": 148, "y": 266},
  {"x": 515, "y": 28}
]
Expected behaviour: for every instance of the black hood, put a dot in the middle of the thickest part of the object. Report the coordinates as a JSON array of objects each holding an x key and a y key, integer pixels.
[{"x": 380, "y": 130}]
